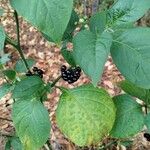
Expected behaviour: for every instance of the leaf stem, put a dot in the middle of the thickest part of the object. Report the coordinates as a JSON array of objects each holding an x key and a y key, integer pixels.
[
  {"x": 18, "y": 46},
  {"x": 55, "y": 81}
]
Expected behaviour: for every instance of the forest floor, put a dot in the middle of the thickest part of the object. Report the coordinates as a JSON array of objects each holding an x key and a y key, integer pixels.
[{"x": 49, "y": 59}]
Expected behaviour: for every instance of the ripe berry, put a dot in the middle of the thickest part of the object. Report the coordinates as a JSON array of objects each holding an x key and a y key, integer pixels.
[
  {"x": 63, "y": 68},
  {"x": 35, "y": 69},
  {"x": 29, "y": 73},
  {"x": 36, "y": 72},
  {"x": 70, "y": 75},
  {"x": 147, "y": 136}
]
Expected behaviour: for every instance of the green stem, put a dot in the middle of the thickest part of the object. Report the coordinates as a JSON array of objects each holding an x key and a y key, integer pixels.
[
  {"x": 55, "y": 81},
  {"x": 18, "y": 46}
]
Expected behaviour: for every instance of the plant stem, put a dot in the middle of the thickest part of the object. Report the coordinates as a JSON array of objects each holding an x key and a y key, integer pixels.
[
  {"x": 55, "y": 81},
  {"x": 18, "y": 46}
]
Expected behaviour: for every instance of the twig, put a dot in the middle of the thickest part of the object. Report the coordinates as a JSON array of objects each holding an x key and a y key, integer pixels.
[
  {"x": 95, "y": 6},
  {"x": 108, "y": 145},
  {"x": 1, "y": 118}
]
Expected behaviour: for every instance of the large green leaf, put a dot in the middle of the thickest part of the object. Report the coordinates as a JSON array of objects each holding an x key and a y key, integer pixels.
[
  {"x": 132, "y": 89},
  {"x": 49, "y": 16},
  {"x": 5, "y": 89},
  {"x": 85, "y": 114},
  {"x": 20, "y": 66},
  {"x": 32, "y": 123},
  {"x": 2, "y": 38},
  {"x": 124, "y": 11},
  {"x": 98, "y": 22},
  {"x": 129, "y": 117},
  {"x": 131, "y": 54},
  {"x": 91, "y": 52},
  {"x": 30, "y": 86}
]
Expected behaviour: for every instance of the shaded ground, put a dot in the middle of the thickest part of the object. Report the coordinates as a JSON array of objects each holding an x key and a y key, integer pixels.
[{"x": 49, "y": 59}]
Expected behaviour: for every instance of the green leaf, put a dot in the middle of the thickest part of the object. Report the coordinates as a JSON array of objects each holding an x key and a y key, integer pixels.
[
  {"x": 91, "y": 52},
  {"x": 20, "y": 66},
  {"x": 4, "y": 58},
  {"x": 85, "y": 114},
  {"x": 10, "y": 74},
  {"x": 32, "y": 123},
  {"x": 13, "y": 142},
  {"x": 30, "y": 86},
  {"x": 49, "y": 16},
  {"x": 71, "y": 26},
  {"x": 98, "y": 22},
  {"x": 130, "y": 52},
  {"x": 5, "y": 89},
  {"x": 68, "y": 57},
  {"x": 147, "y": 121},
  {"x": 2, "y": 38},
  {"x": 129, "y": 118},
  {"x": 133, "y": 90},
  {"x": 124, "y": 11}
]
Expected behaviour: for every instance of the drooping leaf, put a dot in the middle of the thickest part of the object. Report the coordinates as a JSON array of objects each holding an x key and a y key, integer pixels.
[
  {"x": 20, "y": 67},
  {"x": 147, "y": 121},
  {"x": 2, "y": 38},
  {"x": 129, "y": 117},
  {"x": 98, "y": 22},
  {"x": 13, "y": 143},
  {"x": 134, "y": 90},
  {"x": 68, "y": 34},
  {"x": 49, "y": 16},
  {"x": 28, "y": 87},
  {"x": 85, "y": 114},
  {"x": 125, "y": 11},
  {"x": 68, "y": 56},
  {"x": 5, "y": 89},
  {"x": 130, "y": 52},
  {"x": 91, "y": 52},
  {"x": 32, "y": 123},
  {"x": 10, "y": 74}
]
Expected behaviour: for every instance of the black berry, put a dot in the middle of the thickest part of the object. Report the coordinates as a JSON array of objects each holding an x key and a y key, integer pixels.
[
  {"x": 63, "y": 68},
  {"x": 35, "y": 69},
  {"x": 36, "y": 72},
  {"x": 70, "y": 75},
  {"x": 147, "y": 136},
  {"x": 40, "y": 72},
  {"x": 29, "y": 73}
]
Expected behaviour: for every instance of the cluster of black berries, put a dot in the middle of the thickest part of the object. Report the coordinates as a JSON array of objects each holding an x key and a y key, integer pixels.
[
  {"x": 35, "y": 71},
  {"x": 70, "y": 75},
  {"x": 147, "y": 136}
]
